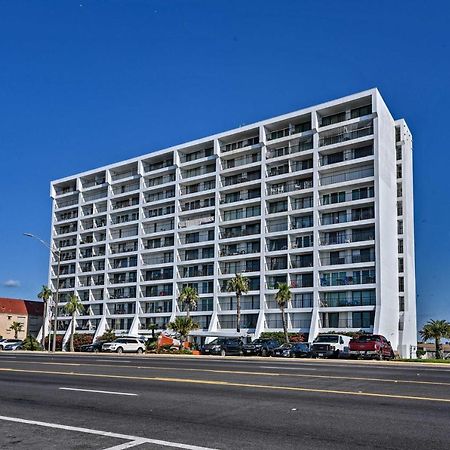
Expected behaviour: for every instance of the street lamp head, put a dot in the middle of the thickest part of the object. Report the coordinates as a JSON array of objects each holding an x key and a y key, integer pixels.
[{"x": 28, "y": 234}]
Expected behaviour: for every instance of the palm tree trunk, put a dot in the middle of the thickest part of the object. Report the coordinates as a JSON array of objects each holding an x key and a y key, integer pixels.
[
  {"x": 72, "y": 332},
  {"x": 44, "y": 322},
  {"x": 15, "y": 333},
  {"x": 188, "y": 313},
  {"x": 283, "y": 319},
  {"x": 238, "y": 313},
  {"x": 438, "y": 348}
]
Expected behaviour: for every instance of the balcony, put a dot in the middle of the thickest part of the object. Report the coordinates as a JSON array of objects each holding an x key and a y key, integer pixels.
[
  {"x": 189, "y": 157},
  {"x": 198, "y": 188},
  {"x": 151, "y": 167},
  {"x": 242, "y": 178},
  {"x": 290, "y": 149},
  {"x": 203, "y": 170},
  {"x": 242, "y": 161},
  {"x": 125, "y": 188},
  {"x": 292, "y": 129},
  {"x": 302, "y": 203},
  {"x": 301, "y": 262},
  {"x": 347, "y": 259},
  {"x": 126, "y": 203},
  {"x": 233, "y": 233},
  {"x": 344, "y": 134},
  {"x": 152, "y": 182},
  {"x": 342, "y": 197},
  {"x": 196, "y": 222},
  {"x": 241, "y": 197},
  {"x": 343, "y": 279},
  {"x": 241, "y": 144},
  {"x": 237, "y": 214},
  {"x": 347, "y": 237},
  {"x": 283, "y": 188},
  {"x": 346, "y": 155},
  {"x": 160, "y": 196},
  {"x": 342, "y": 216},
  {"x": 343, "y": 177},
  {"x": 198, "y": 204},
  {"x": 116, "y": 176}
]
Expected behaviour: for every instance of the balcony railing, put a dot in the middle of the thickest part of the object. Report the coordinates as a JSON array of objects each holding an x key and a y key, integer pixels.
[
  {"x": 195, "y": 222},
  {"x": 120, "y": 176},
  {"x": 344, "y": 134},
  {"x": 290, "y": 150},
  {"x": 334, "y": 219},
  {"x": 346, "y": 176},
  {"x": 347, "y": 280},
  {"x": 347, "y": 259},
  {"x": 290, "y": 187},
  {"x": 230, "y": 163},
  {"x": 346, "y": 238},
  {"x": 346, "y": 155},
  {"x": 338, "y": 303},
  {"x": 341, "y": 197},
  {"x": 238, "y": 233}
]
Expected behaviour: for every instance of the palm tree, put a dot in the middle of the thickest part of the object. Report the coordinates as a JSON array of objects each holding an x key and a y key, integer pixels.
[
  {"x": 188, "y": 296},
  {"x": 282, "y": 297},
  {"x": 17, "y": 327},
  {"x": 239, "y": 285},
  {"x": 45, "y": 294},
  {"x": 436, "y": 329},
  {"x": 153, "y": 327},
  {"x": 73, "y": 306},
  {"x": 183, "y": 325}
]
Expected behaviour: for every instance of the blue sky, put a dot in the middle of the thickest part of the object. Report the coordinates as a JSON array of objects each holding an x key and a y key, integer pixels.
[{"x": 86, "y": 83}]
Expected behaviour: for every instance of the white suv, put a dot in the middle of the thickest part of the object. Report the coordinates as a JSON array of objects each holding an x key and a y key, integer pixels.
[{"x": 131, "y": 345}]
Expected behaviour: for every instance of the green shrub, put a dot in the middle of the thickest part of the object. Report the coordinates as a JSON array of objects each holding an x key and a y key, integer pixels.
[
  {"x": 279, "y": 336},
  {"x": 31, "y": 344},
  {"x": 107, "y": 336}
]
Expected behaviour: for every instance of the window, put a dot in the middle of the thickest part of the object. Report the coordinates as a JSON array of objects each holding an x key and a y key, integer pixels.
[
  {"x": 366, "y": 192},
  {"x": 399, "y": 190},
  {"x": 335, "y": 197},
  {"x": 362, "y": 111},
  {"x": 401, "y": 304},
  {"x": 399, "y": 171},
  {"x": 401, "y": 284},
  {"x": 400, "y": 226},
  {"x": 399, "y": 153},
  {"x": 400, "y": 245},
  {"x": 363, "y": 319},
  {"x": 399, "y": 208},
  {"x": 400, "y": 265}
]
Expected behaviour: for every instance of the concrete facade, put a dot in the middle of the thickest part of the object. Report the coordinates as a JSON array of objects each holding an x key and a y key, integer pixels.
[{"x": 320, "y": 199}]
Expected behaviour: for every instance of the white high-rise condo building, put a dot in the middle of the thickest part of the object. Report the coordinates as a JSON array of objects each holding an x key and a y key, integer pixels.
[{"x": 321, "y": 199}]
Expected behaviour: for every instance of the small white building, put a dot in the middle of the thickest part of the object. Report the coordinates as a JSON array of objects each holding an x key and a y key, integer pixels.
[{"x": 320, "y": 198}]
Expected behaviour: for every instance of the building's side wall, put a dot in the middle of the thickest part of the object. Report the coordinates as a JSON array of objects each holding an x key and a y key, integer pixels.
[
  {"x": 6, "y": 319},
  {"x": 408, "y": 320},
  {"x": 387, "y": 313}
]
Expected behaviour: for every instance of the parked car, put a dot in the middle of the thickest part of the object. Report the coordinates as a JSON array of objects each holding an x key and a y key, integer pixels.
[
  {"x": 121, "y": 345},
  {"x": 16, "y": 345},
  {"x": 293, "y": 350},
  {"x": 4, "y": 342},
  {"x": 371, "y": 346},
  {"x": 260, "y": 347},
  {"x": 223, "y": 347},
  {"x": 94, "y": 347},
  {"x": 331, "y": 346}
]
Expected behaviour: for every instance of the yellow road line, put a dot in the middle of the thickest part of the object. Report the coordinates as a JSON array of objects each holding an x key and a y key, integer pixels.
[
  {"x": 233, "y": 384},
  {"x": 241, "y": 372}
]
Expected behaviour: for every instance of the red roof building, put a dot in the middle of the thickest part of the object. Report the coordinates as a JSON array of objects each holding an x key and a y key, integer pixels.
[{"x": 27, "y": 312}]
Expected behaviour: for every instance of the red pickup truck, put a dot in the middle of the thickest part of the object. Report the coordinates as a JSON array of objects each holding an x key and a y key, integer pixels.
[{"x": 371, "y": 346}]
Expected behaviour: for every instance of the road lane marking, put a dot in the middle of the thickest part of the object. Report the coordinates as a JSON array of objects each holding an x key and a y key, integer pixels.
[
  {"x": 286, "y": 368},
  {"x": 126, "y": 437},
  {"x": 241, "y": 372},
  {"x": 127, "y": 445},
  {"x": 233, "y": 384},
  {"x": 97, "y": 392},
  {"x": 110, "y": 359}
]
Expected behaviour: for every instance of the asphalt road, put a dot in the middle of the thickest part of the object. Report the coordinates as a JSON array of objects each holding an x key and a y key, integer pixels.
[{"x": 152, "y": 402}]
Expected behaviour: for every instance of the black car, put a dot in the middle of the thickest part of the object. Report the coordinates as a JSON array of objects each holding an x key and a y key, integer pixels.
[
  {"x": 260, "y": 347},
  {"x": 223, "y": 346},
  {"x": 294, "y": 350},
  {"x": 95, "y": 347}
]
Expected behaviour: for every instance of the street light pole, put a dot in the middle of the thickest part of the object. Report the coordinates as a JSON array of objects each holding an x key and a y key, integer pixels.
[{"x": 57, "y": 253}]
